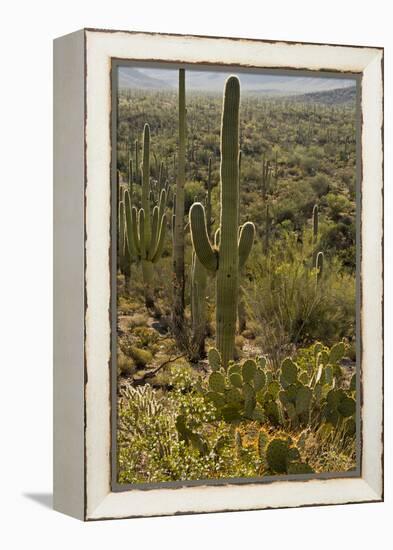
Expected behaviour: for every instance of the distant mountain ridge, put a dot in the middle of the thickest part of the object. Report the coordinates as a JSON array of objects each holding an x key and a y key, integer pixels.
[
  {"x": 338, "y": 96},
  {"x": 213, "y": 81}
]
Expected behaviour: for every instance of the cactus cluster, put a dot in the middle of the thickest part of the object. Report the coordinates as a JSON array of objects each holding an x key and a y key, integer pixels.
[
  {"x": 228, "y": 255},
  {"x": 293, "y": 397},
  {"x": 146, "y": 227},
  {"x": 234, "y": 391}
]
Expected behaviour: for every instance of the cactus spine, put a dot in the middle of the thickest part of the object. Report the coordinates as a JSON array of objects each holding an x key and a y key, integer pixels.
[
  {"x": 178, "y": 228},
  {"x": 233, "y": 250},
  {"x": 146, "y": 229}
]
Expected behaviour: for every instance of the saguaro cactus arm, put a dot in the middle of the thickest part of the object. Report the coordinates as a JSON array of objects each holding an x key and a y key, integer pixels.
[
  {"x": 162, "y": 203},
  {"x": 246, "y": 239},
  {"x": 200, "y": 240},
  {"x": 209, "y": 199},
  {"x": 134, "y": 229},
  {"x": 141, "y": 226},
  {"x": 154, "y": 233},
  {"x": 132, "y": 236},
  {"x": 121, "y": 229}
]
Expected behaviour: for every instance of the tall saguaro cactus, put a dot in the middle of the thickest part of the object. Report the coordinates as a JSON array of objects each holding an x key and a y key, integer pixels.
[
  {"x": 146, "y": 228},
  {"x": 227, "y": 259},
  {"x": 178, "y": 229}
]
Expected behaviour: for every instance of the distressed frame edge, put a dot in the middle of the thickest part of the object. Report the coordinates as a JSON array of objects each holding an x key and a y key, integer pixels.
[
  {"x": 69, "y": 491},
  {"x": 376, "y": 493}
]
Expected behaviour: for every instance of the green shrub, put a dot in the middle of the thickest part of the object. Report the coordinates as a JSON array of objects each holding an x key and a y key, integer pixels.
[{"x": 140, "y": 357}]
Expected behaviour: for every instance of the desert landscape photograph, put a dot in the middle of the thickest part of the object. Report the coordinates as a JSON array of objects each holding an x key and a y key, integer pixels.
[{"x": 236, "y": 274}]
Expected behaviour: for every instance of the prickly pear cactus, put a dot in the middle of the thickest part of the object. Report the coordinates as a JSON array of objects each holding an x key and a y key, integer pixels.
[
  {"x": 233, "y": 392},
  {"x": 282, "y": 457}
]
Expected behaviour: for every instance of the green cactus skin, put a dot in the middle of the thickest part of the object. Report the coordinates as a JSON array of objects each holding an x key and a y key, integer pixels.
[
  {"x": 277, "y": 455},
  {"x": 136, "y": 173},
  {"x": 178, "y": 320},
  {"x": 198, "y": 306},
  {"x": 146, "y": 229},
  {"x": 130, "y": 176},
  {"x": 234, "y": 392},
  {"x": 232, "y": 253},
  {"x": 209, "y": 199}
]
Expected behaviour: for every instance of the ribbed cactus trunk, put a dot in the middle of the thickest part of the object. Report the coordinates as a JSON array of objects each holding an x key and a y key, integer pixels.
[
  {"x": 209, "y": 199},
  {"x": 178, "y": 230},
  {"x": 198, "y": 307},
  {"x": 227, "y": 280},
  {"x": 136, "y": 149},
  {"x": 199, "y": 285}
]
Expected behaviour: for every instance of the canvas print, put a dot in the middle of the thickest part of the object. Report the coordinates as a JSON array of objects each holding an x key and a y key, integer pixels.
[{"x": 235, "y": 275}]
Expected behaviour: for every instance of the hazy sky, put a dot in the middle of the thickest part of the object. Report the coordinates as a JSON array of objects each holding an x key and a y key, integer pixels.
[{"x": 213, "y": 81}]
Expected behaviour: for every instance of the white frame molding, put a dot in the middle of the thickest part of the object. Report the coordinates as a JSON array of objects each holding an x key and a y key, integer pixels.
[{"x": 95, "y": 500}]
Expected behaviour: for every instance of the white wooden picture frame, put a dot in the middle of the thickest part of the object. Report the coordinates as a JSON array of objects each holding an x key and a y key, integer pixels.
[{"x": 82, "y": 248}]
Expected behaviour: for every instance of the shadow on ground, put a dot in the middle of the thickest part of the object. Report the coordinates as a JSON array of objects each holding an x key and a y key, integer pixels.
[{"x": 45, "y": 499}]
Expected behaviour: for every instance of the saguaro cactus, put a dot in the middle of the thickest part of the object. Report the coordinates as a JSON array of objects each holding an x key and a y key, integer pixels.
[
  {"x": 146, "y": 229},
  {"x": 319, "y": 266},
  {"x": 123, "y": 253},
  {"x": 178, "y": 229},
  {"x": 229, "y": 257}
]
